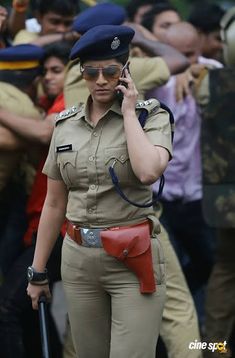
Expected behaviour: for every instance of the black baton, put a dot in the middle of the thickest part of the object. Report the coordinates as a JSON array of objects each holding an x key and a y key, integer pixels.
[{"x": 43, "y": 320}]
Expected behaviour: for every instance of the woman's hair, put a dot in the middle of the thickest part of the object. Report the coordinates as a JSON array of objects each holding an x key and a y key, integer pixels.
[
  {"x": 58, "y": 49},
  {"x": 122, "y": 59},
  {"x": 149, "y": 17}
]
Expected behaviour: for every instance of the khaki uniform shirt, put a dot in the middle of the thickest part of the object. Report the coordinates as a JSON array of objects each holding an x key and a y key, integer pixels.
[
  {"x": 147, "y": 73},
  {"x": 24, "y": 37},
  {"x": 16, "y": 101},
  {"x": 81, "y": 155}
]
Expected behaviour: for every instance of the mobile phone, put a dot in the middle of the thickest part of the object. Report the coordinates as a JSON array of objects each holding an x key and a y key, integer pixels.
[{"x": 119, "y": 93}]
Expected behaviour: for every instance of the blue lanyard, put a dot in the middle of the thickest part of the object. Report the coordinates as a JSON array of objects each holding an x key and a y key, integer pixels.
[{"x": 142, "y": 119}]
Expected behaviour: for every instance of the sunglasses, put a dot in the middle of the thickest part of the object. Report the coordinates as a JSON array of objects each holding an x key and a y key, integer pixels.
[{"x": 111, "y": 72}]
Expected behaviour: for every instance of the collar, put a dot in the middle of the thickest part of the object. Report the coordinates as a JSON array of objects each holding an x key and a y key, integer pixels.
[
  {"x": 116, "y": 108},
  {"x": 84, "y": 110}
]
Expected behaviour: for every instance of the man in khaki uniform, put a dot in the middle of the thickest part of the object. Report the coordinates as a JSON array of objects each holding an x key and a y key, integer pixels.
[{"x": 19, "y": 66}]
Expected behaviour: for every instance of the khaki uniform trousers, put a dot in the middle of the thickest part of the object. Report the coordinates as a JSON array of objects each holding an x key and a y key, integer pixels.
[
  {"x": 179, "y": 323},
  {"x": 109, "y": 316}
]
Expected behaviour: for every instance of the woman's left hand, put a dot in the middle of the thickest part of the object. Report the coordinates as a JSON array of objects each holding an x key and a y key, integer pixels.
[{"x": 130, "y": 93}]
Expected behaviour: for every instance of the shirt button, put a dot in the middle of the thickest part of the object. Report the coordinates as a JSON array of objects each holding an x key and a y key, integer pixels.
[
  {"x": 122, "y": 157},
  {"x": 95, "y": 134},
  {"x": 91, "y": 158},
  {"x": 92, "y": 186}
]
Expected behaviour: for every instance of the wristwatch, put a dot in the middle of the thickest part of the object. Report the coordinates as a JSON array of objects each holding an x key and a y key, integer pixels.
[{"x": 34, "y": 276}]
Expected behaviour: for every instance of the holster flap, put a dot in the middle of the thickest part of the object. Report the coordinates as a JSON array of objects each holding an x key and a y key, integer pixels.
[
  {"x": 132, "y": 246},
  {"x": 126, "y": 242}
]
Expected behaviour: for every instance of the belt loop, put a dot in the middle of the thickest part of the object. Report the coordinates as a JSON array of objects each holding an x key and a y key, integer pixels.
[
  {"x": 74, "y": 232},
  {"x": 154, "y": 224}
]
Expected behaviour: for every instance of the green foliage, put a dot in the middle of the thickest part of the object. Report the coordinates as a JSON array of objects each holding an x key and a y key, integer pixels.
[
  {"x": 182, "y": 6},
  {"x": 6, "y": 3}
]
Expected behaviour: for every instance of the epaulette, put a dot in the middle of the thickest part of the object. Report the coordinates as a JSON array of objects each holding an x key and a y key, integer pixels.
[
  {"x": 67, "y": 113},
  {"x": 151, "y": 105}
]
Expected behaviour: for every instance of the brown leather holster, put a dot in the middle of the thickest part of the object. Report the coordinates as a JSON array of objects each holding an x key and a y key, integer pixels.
[{"x": 132, "y": 246}]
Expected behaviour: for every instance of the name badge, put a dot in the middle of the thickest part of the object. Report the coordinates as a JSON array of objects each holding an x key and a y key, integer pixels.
[{"x": 63, "y": 148}]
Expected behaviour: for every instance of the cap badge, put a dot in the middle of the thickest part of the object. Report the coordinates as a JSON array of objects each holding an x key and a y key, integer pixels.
[{"x": 115, "y": 43}]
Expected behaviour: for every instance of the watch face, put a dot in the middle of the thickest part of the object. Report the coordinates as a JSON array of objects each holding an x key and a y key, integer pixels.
[{"x": 30, "y": 273}]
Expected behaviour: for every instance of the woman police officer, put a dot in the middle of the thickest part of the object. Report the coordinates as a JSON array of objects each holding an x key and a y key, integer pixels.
[{"x": 113, "y": 274}]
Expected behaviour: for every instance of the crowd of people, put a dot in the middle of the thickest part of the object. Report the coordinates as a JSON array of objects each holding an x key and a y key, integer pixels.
[{"x": 87, "y": 102}]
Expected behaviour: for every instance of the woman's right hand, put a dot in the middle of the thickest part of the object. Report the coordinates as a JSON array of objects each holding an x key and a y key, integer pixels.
[{"x": 35, "y": 291}]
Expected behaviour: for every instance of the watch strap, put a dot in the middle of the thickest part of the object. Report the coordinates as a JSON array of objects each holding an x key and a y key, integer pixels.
[
  {"x": 39, "y": 283},
  {"x": 35, "y": 276}
]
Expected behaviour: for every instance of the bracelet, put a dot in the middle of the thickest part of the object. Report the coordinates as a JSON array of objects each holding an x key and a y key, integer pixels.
[
  {"x": 20, "y": 6},
  {"x": 39, "y": 283}
]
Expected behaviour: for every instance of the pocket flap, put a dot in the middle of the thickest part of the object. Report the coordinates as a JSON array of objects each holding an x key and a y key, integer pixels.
[
  {"x": 68, "y": 157},
  {"x": 119, "y": 154}
]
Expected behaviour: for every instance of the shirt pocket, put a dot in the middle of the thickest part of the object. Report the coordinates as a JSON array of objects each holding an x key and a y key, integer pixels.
[
  {"x": 68, "y": 168},
  {"x": 119, "y": 159}
]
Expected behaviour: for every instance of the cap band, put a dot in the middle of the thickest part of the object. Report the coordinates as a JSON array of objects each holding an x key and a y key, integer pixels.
[{"x": 18, "y": 65}]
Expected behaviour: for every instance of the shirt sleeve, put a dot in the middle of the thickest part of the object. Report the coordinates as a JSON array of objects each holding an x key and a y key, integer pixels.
[
  {"x": 24, "y": 37},
  {"x": 148, "y": 73},
  {"x": 73, "y": 85},
  {"x": 158, "y": 129},
  {"x": 51, "y": 167}
]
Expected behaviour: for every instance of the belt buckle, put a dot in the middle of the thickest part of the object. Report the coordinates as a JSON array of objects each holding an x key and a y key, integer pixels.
[{"x": 91, "y": 237}]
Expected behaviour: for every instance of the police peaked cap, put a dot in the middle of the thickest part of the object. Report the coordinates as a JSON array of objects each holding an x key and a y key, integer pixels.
[
  {"x": 100, "y": 14},
  {"x": 20, "y": 57},
  {"x": 103, "y": 42}
]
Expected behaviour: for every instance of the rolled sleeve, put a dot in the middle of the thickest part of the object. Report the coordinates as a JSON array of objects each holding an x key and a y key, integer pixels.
[{"x": 158, "y": 130}]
